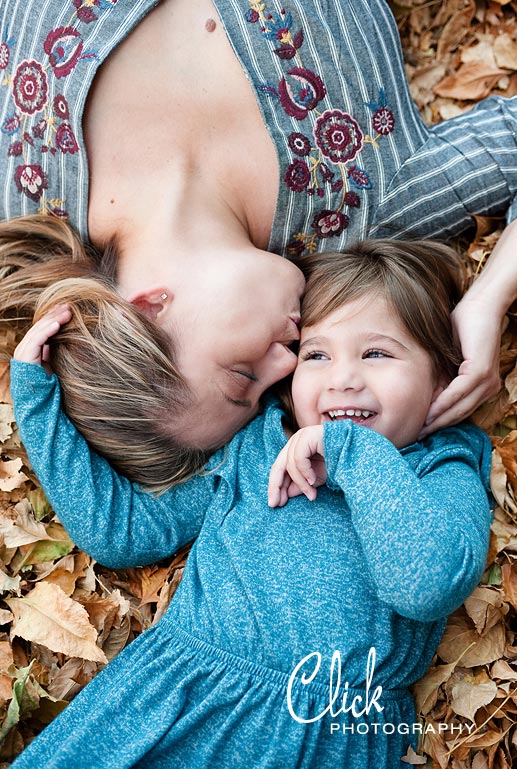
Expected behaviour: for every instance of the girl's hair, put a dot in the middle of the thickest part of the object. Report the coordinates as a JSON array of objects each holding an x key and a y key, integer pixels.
[
  {"x": 421, "y": 280},
  {"x": 119, "y": 381}
]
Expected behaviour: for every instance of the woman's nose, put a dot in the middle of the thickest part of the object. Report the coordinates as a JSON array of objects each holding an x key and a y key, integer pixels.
[{"x": 278, "y": 363}]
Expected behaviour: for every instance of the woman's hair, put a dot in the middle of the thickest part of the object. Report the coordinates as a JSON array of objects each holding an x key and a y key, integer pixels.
[
  {"x": 420, "y": 280},
  {"x": 119, "y": 381}
]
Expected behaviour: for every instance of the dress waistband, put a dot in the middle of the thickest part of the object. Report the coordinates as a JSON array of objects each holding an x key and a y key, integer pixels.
[{"x": 278, "y": 677}]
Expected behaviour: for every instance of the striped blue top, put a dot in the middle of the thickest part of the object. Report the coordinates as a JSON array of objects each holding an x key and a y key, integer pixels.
[{"x": 355, "y": 158}]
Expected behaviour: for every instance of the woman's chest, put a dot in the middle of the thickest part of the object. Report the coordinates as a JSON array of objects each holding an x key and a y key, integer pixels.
[{"x": 172, "y": 107}]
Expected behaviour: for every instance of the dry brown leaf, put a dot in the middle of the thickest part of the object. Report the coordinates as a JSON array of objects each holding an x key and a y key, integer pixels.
[
  {"x": 425, "y": 691},
  {"x": 471, "y": 692},
  {"x": 509, "y": 576},
  {"x": 413, "y": 758},
  {"x": 474, "y": 80},
  {"x": 461, "y": 639},
  {"x": 49, "y": 617},
  {"x": 486, "y": 608},
  {"x": 505, "y": 51},
  {"x": 11, "y": 476},
  {"x": 22, "y": 530},
  {"x": 455, "y": 30},
  {"x": 501, "y": 670}
]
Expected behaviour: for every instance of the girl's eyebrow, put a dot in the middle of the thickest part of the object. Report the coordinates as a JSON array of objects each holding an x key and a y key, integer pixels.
[
  {"x": 313, "y": 340},
  {"x": 370, "y": 337}
]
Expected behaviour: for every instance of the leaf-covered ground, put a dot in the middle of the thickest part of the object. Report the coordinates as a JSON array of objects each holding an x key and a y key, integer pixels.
[{"x": 62, "y": 616}]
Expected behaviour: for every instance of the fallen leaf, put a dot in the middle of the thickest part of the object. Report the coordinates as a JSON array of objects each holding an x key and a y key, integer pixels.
[
  {"x": 11, "y": 476},
  {"x": 22, "y": 530},
  {"x": 413, "y": 758},
  {"x": 49, "y": 617},
  {"x": 471, "y": 692},
  {"x": 459, "y": 635},
  {"x": 473, "y": 80}
]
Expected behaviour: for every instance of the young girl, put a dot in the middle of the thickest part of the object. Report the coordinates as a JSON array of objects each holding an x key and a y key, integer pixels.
[{"x": 297, "y": 628}]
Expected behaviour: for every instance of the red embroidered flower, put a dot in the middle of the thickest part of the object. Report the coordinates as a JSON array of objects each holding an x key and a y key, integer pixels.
[
  {"x": 252, "y": 16},
  {"x": 299, "y": 144},
  {"x": 5, "y": 55},
  {"x": 30, "y": 87},
  {"x": 15, "y": 149},
  {"x": 31, "y": 180},
  {"x": 11, "y": 124},
  {"x": 383, "y": 121},
  {"x": 65, "y": 139},
  {"x": 352, "y": 199},
  {"x": 64, "y": 47},
  {"x": 60, "y": 106},
  {"x": 84, "y": 12},
  {"x": 330, "y": 223},
  {"x": 301, "y": 93},
  {"x": 338, "y": 136},
  {"x": 38, "y": 131},
  {"x": 359, "y": 178},
  {"x": 297, "y": 176}
]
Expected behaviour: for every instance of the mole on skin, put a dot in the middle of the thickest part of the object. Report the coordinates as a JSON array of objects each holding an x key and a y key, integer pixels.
[{"x": 210, "y": 25}]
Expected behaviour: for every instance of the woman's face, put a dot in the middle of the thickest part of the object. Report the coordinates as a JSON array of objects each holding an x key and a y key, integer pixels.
[{"x": 233, "y": 321}]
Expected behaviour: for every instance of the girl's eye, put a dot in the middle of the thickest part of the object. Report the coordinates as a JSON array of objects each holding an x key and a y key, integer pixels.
[
  {"x": 313, "y": 355},
  {"x": 376, "y": 354}
]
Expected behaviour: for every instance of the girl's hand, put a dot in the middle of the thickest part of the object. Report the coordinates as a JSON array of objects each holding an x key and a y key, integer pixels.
[
  {"x": 299, "y": 468},
  {"x": 479, "y": 330},
  {"x": 34, "y": 348}
]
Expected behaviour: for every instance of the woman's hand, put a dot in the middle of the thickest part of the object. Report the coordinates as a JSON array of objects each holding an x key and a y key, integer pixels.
[
  {"x": 478, "y": 328},
  {"x": 34, "y": 346},
  {"x": 299, "y": 468}
]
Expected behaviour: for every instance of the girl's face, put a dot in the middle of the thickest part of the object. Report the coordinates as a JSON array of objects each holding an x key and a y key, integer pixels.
[
  {"x": 234, "y": 332},
  {"x": 361, "y": 363}
]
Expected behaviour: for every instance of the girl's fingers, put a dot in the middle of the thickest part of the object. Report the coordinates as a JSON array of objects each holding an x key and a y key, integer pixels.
[
  {"x": 32, "y": 347},
  {"x": 277, "y": 477}
]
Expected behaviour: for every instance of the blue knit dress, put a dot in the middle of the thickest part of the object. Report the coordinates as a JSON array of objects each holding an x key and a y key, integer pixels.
[{"x": 267, "y": 643}]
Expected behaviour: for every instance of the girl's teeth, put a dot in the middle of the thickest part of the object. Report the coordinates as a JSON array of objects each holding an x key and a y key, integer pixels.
[{"x": 349, "y": 413}]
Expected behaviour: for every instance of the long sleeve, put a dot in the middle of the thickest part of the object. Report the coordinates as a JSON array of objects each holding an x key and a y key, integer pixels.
[
  {"x": 105, "y": 514},
  {"x": 422, "y": 518},
  {"x": 467, "y": 166}
]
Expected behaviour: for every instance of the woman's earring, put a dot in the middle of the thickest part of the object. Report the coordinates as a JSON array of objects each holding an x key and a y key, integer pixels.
[{"x": 164, "y": 296}]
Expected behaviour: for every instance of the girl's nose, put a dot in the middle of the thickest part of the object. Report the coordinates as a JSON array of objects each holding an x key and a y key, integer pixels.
[{"x": 345, "y": 377}]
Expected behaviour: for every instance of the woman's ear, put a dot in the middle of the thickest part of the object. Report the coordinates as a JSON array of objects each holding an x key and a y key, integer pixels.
[{"x": 151, "y": 302}]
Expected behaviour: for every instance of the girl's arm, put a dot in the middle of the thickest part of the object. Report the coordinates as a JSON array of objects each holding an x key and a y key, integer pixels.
[
  {"x": 106, "y": 515},
  {"x": 422, "y": 516}
]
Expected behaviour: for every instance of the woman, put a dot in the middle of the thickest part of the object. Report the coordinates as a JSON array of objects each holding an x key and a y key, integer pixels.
[{"x": 193, "y": 136}]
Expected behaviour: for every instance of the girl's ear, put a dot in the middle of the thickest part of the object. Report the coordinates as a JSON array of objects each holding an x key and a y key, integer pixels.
[{"x": 151, "y": 302}]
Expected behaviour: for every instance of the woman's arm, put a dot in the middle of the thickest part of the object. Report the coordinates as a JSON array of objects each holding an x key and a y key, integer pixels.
[
  {"x": 105, "y": 514},
  {"x": 424, "y": 530},
  {"x": 477, "y": 320}
]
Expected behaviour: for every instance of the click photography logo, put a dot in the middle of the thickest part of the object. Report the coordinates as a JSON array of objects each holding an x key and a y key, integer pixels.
[{"x": 354, "y": 711}]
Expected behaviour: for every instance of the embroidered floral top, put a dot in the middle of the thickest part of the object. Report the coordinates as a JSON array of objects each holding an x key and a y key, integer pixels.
[{"x": 355, "y": 158}]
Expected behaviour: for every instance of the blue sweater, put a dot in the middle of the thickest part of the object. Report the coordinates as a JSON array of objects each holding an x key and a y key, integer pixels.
[{"x": 394, "y": 542}]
